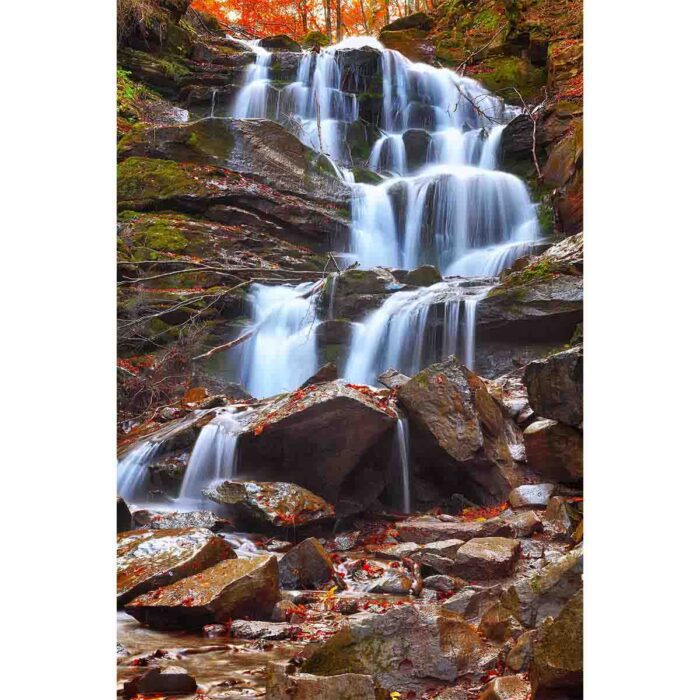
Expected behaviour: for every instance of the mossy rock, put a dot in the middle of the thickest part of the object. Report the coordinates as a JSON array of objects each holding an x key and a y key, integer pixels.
[
  {"x": 415, "y": 44},
  {"x": 368, "y": 177},
  {"x": 280, "y": 42},
  {"x": 315, "y": 38},
  {"x": 500, "y": 74}
]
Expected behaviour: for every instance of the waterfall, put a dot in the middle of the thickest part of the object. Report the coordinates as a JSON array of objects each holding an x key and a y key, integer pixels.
[
  {"x": 252, "y": 99},
  {"x": 214, "y": 456},
  {"x": 132, "y": 471},
  {"x": 281, "y": 354},
  {"x": 402, "y": 459},
  {"x": 414, "y": 328},
  {"x": 445, "y": 203}
]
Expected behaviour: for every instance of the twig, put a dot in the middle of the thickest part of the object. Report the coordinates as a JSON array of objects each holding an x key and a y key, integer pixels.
[
  {"x": 467, "y": 60},
  {"x": 533, "y": 114}
]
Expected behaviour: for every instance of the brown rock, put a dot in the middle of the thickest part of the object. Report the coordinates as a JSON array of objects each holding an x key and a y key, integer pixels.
[
  {"x": 506, "y": 688},
  {"x": 444, "y": 584},
  {"x": 317, "y": 439},
  {"x": 403, "y": 649},
  {"x": 232, "y": 588},
  {"x": 557, "y": 661},
  {"x": 520, "y": 656},
  {"x": 123, "y": 516},
  {"x": 255, "y": 629},
  {"x": 469, "y": 601},
  {"x": 459, "y": 429},
  {"x": 555, "y": 386},
  {"x": 487, "y": 557},
  {"x": 327, "y": 373},
  {"x": 423, "y": 530},
  {"x": 554, "y": 450},
  {"x": 170, "y": 680},
  {"x": 270, "y": 503},
  {"x": 148, "y": 559},
  {"x": 525, "y": 523},
  {"x": 560, "y": 519},
  {"x": 499, "y": 623},
  {"x": 280, "y": 685},
  {"x": 393, "y": 379},
  {"x": 306, "y": 566}
]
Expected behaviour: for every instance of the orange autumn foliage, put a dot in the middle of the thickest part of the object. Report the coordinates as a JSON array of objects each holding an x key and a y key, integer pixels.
[{"x": 296, "y": 17}]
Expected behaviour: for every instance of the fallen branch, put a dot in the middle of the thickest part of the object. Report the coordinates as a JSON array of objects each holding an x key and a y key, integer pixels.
[
  {"x": 533, "y": 114},
  {"x": 225, "y": 346},
  {"x": 467, "y": 60}
]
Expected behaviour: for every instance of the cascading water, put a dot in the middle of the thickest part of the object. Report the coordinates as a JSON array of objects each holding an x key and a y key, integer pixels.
[
  {"x": 214, "y": 455},
  {"x": 446, "y": 205},
  {"x": 439, "y": 321},
  {"x": 132, "y": 471},
  {"x": 402, "y": 459},
  {"x": 281, "y": 354},
  {"x": 252, "y": 99}
]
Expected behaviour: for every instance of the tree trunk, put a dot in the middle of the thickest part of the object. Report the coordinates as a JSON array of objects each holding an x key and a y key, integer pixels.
[
  {"x": 327, "y": 16},
  {"x": 364, "y": 17},
  {"x": 338, "y": 20}
]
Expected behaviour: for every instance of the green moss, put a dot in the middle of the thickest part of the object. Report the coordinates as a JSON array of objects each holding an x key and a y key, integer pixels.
[
  {"x": 129, "y": 94},
  {"x": 142, "y": 179},
  {"x": 161, "y": 236},
  {"x": 502, "y": 74},
  {"x": 315, "y": 38},
  {"x": 487, "y": 20}
]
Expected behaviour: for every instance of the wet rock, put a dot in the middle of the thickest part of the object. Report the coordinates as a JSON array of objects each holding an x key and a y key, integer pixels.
[
  {"x": 444, "y": 584},
  {"x": 357, "y": 291},
  {"x": 394, "y": 551},
  {"x": 256, "y": 147},
  {"x": 560, "y": 519},
  {"x": 542, "y": 302},
  {"x": 531, "y": 495},
  {"x": 486, "y": 558},
  {"x": 469, "y": 601},
  {"x": 123, "y": 515},
  {"x": 327, "y": 373},
  {"x": 280, "y": 685},
  {"x": 506, "y": 688},
  {"x": 554, "y": 450},
  {"x": 426, "y": 529},
  {"x": 307, "y": 566},
  {"x": 170, "y": 680},
  {"x": 557, "y": 661},
  {"x": 520, "y": 656},
  {"x": 148, "y": 184},
  {"x": 423, "y": 276},
  {"x": 279, "y": 42},
  {"x": 392, "y": 379},
  {"x": 346, "y": 423},
  {"x": 283, "y": 610},
  {"x": 392, "y": 582},
  {"x": 229, "y": 589},
  {"x": 555, "y": 386},
  {"x": 417, "y": 145},
  {"x": 166, "y": 521},
  {"x": 148, "y": 559},
  {"x": 525, "y": 523},
  {"x": 270, "y": 503},
  {"x": 459, "y": 429},
  {"x": 544, "y": 593},
  {"x": 402, "y": 649},
  {"x": 268, "y": 631},
  {"x": 433, "y": 562}
]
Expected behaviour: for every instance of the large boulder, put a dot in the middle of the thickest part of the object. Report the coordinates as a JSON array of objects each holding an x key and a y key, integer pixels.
[
  {"x": 150, "y": 184},
  {"x": 148, "y": 559},
  {"x": 460, "y": 430},
  {"x": 307, "y": 566},
  {"x": 418, "y": 20},
  {"x": 229, "y": 589},
  {"x": 124, "y": 520},
  {"x": 486, "y": 558},
  {"x": 531, "y": 495},
  {"x": 557, "y": 664},
  {"x": 555, "y": 386},
  {"x": 282, "y": 685},
  {"x": 402, "y": 649},
  {"x": 317, "y": 436},
  {"x": 270, "y": 503},
  {"x": 554, "y": 450}
]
